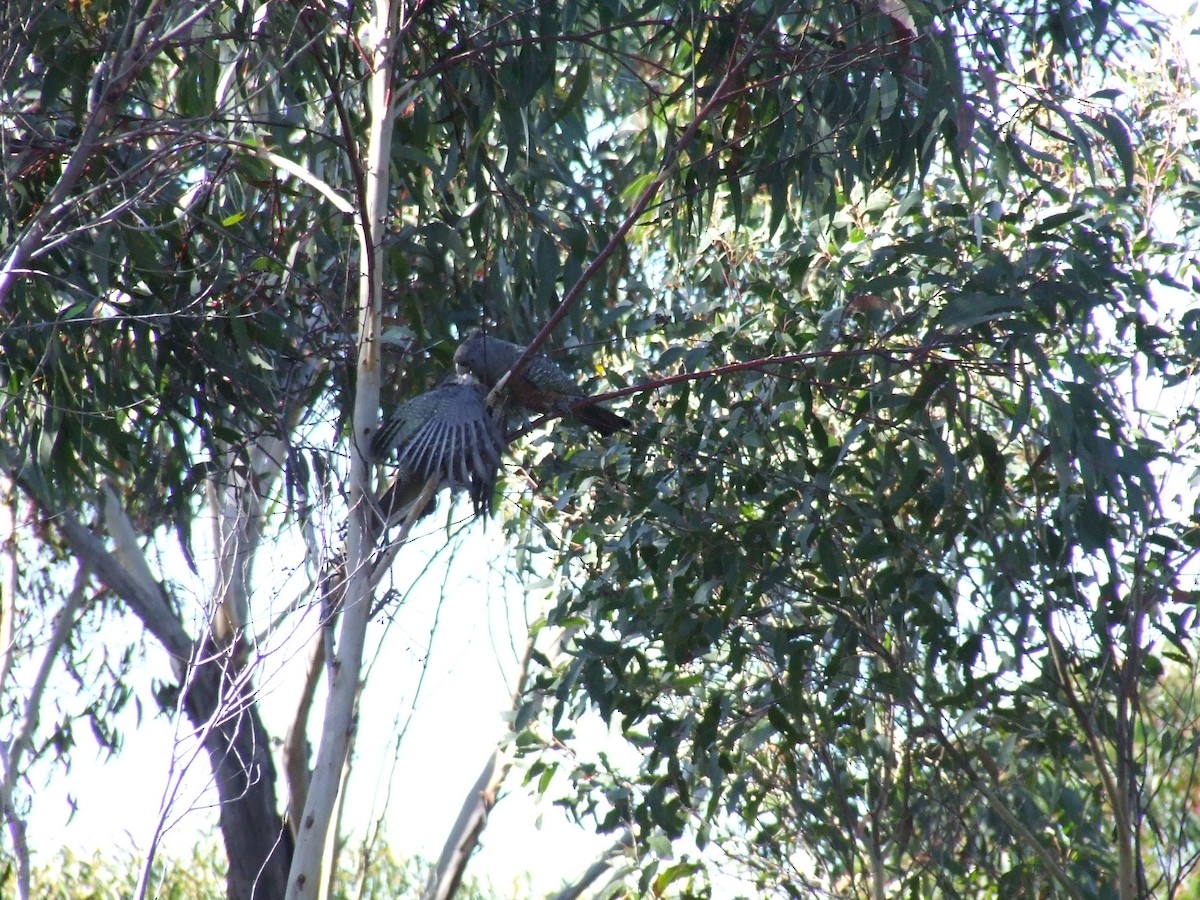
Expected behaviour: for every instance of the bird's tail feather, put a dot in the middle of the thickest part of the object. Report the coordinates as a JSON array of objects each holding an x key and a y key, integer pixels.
[{"x": 601, "y": 419}]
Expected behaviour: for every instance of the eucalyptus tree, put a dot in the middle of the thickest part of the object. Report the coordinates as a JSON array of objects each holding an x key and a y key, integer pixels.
[
  {"x": 880, "y": 576},
  {"x": 886, "y": 585}
]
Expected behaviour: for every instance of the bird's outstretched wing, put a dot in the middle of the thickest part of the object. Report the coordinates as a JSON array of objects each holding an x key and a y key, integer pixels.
[{"x": 448, "y": 434}]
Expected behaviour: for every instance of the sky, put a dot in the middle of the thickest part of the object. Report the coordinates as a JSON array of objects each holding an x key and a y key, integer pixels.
[
  {"x": 470, "y": 660},
  {"x": 450, "y": 727}
]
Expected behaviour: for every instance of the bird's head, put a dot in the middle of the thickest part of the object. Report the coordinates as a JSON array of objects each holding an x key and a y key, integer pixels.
[{"x": 468, "y": 352}]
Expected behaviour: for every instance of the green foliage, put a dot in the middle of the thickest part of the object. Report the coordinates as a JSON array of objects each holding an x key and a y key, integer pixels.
[
  {"x": 882, "y": 579},
  {"x": 102, "y": 876},
  {"x": 881, "y": 584},
  {"x": 377, "y": 875},
  {"x": 208, "y": 307}
]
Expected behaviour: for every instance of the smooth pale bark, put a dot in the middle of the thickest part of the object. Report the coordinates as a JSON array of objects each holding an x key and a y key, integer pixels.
[{"x": 345, "y": 664}]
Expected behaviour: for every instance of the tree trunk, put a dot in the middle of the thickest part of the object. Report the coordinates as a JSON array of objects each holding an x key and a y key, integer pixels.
[{"x": 219, "y": 702}]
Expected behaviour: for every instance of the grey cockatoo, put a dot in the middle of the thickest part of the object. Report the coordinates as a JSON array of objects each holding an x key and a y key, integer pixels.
[
  {"x": 540, "y": 386},
  {"x": 447, "y": 433}
]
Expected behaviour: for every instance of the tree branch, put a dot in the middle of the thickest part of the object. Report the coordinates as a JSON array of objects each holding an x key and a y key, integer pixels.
[
  {"x": 604, "y": 864},
  {"x": 148, "y": 603},
  {"x": 295, "y": 744},
  {"x": 337, "y": 734},
  {"x": 10, "y": 755},
  {"x": 446, "y": 877},
  {"x": 109, "y": 82},
  {"x": 217, "y": 698},
  {"x": 720, "y": 95}
]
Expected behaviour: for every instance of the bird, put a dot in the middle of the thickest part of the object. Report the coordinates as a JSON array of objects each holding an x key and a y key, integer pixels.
[
  {"x": 540, "y": 386},
  {"x": 446, "y": 433}
]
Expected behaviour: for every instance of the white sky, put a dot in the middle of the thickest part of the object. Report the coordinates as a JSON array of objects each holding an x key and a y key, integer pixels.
[{"x": 454, "y": 725}]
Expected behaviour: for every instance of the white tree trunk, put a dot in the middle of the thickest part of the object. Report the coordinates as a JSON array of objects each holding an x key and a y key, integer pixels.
[{"x": 345, "y": 665}]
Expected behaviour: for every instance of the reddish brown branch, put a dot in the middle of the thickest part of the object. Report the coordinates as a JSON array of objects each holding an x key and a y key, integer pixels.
[{"x": 917, "y": 353}]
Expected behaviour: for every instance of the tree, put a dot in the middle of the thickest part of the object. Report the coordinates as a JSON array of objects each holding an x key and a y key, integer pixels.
[
  {"x": 882, "y": 579},
  {"x": 892, "y": 576}
]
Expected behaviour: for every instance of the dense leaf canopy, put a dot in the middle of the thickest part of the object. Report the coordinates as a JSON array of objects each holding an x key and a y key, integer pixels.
[{"x": 888, "y": 579}]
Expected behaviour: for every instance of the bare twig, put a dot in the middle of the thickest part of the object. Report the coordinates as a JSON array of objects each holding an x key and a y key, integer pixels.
[{"x": 15, "y": 748}]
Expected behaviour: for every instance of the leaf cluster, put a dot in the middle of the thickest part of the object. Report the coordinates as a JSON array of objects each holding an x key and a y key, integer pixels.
[{"x": 882, "y": 576}]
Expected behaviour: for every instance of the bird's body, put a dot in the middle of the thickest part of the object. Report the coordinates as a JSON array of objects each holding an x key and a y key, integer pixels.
[
  {"x": 445, "y": 433},
  {"x": 540, "y": 386}
]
